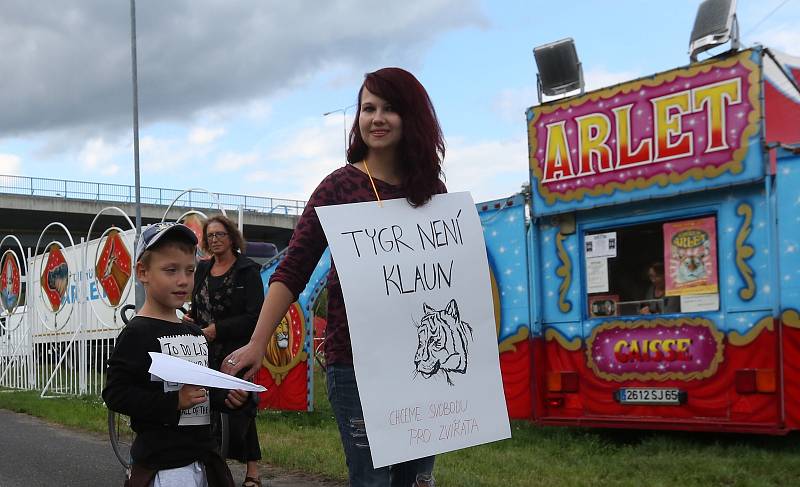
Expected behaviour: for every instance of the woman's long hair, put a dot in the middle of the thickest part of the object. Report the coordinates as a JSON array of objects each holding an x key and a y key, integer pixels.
[{"x": 421, "y": 148}]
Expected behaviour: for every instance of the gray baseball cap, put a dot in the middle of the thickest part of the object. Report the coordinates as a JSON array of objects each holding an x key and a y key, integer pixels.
[{"x": 151, "y": 234}]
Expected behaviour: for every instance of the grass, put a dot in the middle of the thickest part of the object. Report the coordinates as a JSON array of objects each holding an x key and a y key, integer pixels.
[{"x": 309, "y": 442}]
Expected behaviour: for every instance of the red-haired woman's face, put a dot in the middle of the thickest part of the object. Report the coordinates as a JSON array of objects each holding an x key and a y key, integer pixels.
[{"x": 381, "y": 127}]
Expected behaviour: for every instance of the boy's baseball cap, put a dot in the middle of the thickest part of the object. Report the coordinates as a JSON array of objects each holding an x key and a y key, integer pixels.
[{"x": 153, "y": 233}]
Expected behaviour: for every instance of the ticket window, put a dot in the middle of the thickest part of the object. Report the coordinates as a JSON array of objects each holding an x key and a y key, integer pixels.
[{"x": 655, "y": 268}]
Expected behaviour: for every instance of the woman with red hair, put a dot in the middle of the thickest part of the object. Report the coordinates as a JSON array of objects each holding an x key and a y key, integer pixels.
[{"x": 396, "y": 151}]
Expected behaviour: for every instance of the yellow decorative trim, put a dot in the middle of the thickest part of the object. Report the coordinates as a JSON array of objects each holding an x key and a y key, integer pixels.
[
  {"x": 739, "y": 340},
  {"x": 279, "y": 372},
  {"x": 509, "y": 344},
  {"x": 572, "y": 345},
  {"x": 734, "y": 166},
  {"x": 791, "y": 318},
  {"x": 657, "y": 376},
  {"x": 565, "y": 273},
  {"x": 745, "y": 252}
]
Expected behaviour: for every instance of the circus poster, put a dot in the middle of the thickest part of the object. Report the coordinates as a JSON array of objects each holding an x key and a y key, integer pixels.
[
  {"x": 10, "y": 285},
  {"x": 113, "y": 267},
  {"x": 419, "y": 304},
  {"x": 55, "y": 277},
  {"x": 285, "y": 371},
  {"x": 690, "y": 257}
]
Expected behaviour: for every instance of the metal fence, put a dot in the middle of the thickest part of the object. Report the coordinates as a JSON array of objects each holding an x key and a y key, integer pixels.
[
  {"x": 57, "y": 355},
  {"x": 121, "y": 193}
]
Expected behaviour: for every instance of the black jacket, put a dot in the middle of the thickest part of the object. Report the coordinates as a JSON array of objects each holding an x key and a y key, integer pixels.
[
  {"x": 160, "y": 441},
  {"x": 235, "y": 329}
]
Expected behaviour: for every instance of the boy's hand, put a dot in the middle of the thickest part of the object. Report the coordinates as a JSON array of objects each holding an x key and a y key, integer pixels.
[
  {"x": 236, "y": 398},
  {"x": 210, "y": 332},
  {"x": 190, "y": 395},
  {"x": 188, "y": 318}
]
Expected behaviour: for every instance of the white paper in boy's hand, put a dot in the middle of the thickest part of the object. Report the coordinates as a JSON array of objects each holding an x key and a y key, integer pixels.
[{"x": 174, "y": 369}]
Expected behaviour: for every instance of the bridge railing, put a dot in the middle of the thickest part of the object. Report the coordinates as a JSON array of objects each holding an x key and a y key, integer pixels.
[{"x": 123, "y": 193}]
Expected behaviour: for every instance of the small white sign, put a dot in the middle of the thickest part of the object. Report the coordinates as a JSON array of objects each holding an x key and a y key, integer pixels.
[
  {"x": 419, "y": 306},
  {"x": 694, "y": 303},
  {"x": 600, "y": 245},
  {"x": 597, "y": 275}
]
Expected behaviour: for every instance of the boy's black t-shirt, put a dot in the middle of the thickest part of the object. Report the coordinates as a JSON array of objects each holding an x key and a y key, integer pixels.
[{"x": 165, "y": 437}]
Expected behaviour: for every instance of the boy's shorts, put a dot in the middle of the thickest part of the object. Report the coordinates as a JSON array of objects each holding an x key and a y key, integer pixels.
[{"x": 192, "y": 475}]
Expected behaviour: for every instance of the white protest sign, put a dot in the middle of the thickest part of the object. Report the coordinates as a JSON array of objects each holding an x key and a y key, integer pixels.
[{"x": 419, "y": 305}]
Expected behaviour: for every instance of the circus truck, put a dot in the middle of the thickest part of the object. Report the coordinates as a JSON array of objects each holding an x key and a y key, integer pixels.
[
  {"x": 650, "y": 278},
  {"x": 664, "y": 250}
]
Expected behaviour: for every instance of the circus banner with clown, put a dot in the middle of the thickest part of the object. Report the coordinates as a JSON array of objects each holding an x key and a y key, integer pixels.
[{"x": 418, "y": 294}]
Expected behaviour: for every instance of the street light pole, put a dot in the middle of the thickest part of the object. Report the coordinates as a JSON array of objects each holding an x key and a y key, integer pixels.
[
  {"x": 138, "y": 289},
  {"x": 344, "y": 123}
]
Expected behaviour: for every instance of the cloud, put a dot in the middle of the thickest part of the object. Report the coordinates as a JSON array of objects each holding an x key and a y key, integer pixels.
[
  {"x": 231, "y": 161},
  {"x": 489, "y": 169},
  {"x": 510, "y": 104},
  {"x": 205, "y": 135},
  {"x": 601, "y": 77},
  {"x": 71, "y": 65},
  {"x": 95, "y": 152},
  {"x": 164, "y": 155},
  {"x": 783, "y": 38},
  {"x": 97, "y": 156},
  {"x": 297, "y": 165},
  {"x": 10, "y": 164}
]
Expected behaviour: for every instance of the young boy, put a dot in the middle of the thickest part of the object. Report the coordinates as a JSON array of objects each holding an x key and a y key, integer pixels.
[{"x": 173, "y": 444}]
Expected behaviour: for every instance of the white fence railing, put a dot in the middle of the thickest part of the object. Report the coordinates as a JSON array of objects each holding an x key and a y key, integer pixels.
[{"x": 62, "y": 353}]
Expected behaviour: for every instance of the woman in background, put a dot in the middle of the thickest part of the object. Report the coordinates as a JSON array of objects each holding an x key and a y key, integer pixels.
[
  {"x": 227, "y": 296},
  {"x": 657, "y": 300}
]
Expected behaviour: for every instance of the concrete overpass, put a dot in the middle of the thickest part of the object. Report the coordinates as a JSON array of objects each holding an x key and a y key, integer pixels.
[{"x": 28, "y": 205}]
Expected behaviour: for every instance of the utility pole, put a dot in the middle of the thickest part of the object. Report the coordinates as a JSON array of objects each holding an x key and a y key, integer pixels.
[{"x": 138, "y": 289}]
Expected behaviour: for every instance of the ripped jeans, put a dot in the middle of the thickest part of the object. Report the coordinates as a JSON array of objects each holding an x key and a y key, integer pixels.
[{"x": 343, "y": 395}]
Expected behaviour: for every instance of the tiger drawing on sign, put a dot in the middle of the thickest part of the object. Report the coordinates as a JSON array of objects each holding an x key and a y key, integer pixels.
[{"x": 443, "y": 342}]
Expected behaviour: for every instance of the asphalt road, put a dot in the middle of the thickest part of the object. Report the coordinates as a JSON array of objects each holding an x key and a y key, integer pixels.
[{"x": 35, "y": 453}]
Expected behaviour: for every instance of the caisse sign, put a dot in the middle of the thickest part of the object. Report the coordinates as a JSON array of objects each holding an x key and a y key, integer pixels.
[{"x": 660, "y": 349}]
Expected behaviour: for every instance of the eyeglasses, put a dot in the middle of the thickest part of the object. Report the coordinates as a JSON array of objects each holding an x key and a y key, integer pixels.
[{"x": 216, "y": 235}]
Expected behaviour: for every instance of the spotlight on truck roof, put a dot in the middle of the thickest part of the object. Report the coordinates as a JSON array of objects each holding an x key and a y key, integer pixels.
[
  {"x": 560, "y": 70},
  {"x": 715, "y": 24}
]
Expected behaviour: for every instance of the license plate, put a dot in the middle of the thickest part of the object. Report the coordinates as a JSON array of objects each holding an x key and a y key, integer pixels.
[{"x": 649, "y": 395}]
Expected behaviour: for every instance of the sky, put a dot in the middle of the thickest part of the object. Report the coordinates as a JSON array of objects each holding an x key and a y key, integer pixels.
[{"x": 232, "y": 93}]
